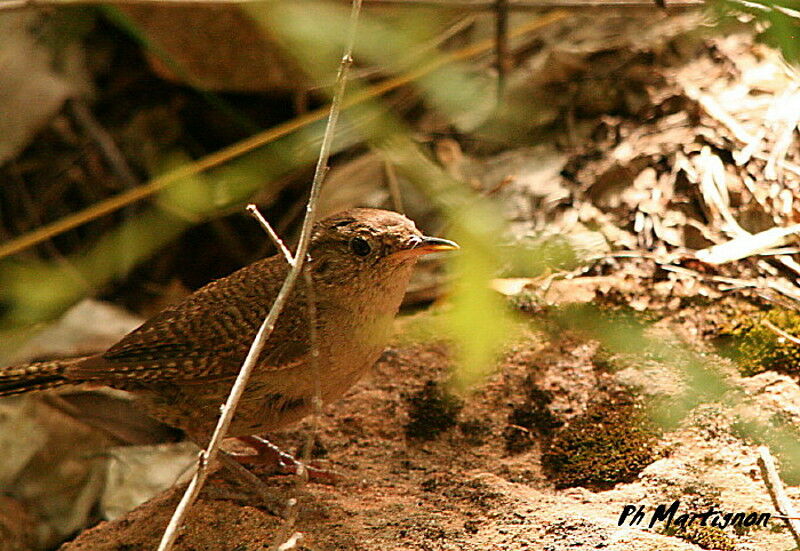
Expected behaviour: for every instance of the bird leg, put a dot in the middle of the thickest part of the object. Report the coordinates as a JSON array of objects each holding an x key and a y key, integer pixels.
[
  {"x": 268, "y": 454},
  {"x": 252, "y": 483}
]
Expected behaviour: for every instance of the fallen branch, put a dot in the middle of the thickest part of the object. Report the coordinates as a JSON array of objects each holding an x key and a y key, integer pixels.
[
  {"x": 229, "y": 409},
  {"x": 782, "y": 502}
]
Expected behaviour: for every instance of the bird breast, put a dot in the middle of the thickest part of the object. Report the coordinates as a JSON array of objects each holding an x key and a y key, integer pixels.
[{"x": 358, "y": 338}]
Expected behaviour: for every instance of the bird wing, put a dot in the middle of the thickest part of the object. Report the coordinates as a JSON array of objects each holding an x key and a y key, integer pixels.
[{"x": 208, "y": 335}]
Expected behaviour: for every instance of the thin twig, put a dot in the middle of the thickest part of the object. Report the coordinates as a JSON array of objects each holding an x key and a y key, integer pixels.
[
  {"x": 778, "y": 285},
  {"x": 255, "y": 213},
  {"x": 738, "y": 283},
  {"x": 287, "y": 534},
  {"x": 30, "y": 204},
  {"x": 780, "y": 332},
  {"x": 229, "y": 409},
  {"x": 774, "y": 484},
  {"x": 286, "y": 530},
  {"x": 313, "y": 334}
]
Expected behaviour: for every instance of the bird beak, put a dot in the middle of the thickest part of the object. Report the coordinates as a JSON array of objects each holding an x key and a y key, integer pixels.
[{"x": 427, "y": 245}]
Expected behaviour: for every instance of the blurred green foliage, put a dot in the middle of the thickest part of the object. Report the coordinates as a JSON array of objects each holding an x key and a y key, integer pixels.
[
  {"x": 777, "y": 22},
  {"x": 477, "y": 318},
  {"x": 622, "y": 331},
  {"x": 35, "y": 291},
  {"x": 393, "y": 41},
  {"x": 628, "y": 335},
  {"x": 782, "y": 437}
]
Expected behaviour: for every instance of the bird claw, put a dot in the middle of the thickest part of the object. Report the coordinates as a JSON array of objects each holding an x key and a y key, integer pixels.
[{"x": 281, "y": 463}]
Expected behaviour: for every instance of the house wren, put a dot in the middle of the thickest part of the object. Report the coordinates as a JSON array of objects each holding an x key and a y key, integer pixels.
[{"x": 181, "y": 364}]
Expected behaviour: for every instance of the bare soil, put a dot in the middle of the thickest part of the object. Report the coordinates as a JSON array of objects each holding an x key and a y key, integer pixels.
[{"x": 462, "y": 489}]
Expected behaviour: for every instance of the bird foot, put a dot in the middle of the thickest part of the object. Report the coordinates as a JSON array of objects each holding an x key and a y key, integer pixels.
[
  {"x": 281, "y": 463},
  {"x": 252, "y": 485}
]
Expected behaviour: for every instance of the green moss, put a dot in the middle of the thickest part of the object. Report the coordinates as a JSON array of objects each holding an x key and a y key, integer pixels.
[
  {"x": 700, "y": 496},
  {"x": 611, "y": 443},
  {"x": 757, "y": 348},
  {"x": 707, "y": 537},
  {"x": 431, "y": 411}
]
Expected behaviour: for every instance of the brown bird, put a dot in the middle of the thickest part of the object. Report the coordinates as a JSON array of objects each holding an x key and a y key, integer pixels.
[{"x": 181, "y": 364}]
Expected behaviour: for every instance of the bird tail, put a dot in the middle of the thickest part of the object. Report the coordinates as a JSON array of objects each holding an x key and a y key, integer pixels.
[{"x": 34, "y": 376}]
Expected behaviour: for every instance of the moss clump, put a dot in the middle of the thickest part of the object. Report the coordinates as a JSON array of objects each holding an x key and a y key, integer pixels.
[
  {"x": 611, "y": 443},
  {"x": 431, "y": 411},
  {"x": 528, "y": 419},
  {"x": 758, "y": 348},
  {"x": 700, "y": 496},
  {"x": 707, "y": 537}
]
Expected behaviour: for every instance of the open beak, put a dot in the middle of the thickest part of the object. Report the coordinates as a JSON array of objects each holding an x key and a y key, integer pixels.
[{"x": 427, "y": 245}]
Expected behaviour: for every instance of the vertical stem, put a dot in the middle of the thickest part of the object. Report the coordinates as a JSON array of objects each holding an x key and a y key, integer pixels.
[{"x": 229, "y": 409}]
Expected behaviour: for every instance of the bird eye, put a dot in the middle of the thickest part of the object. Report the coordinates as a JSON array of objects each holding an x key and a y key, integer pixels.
[{"x": 360, "y": 246}]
